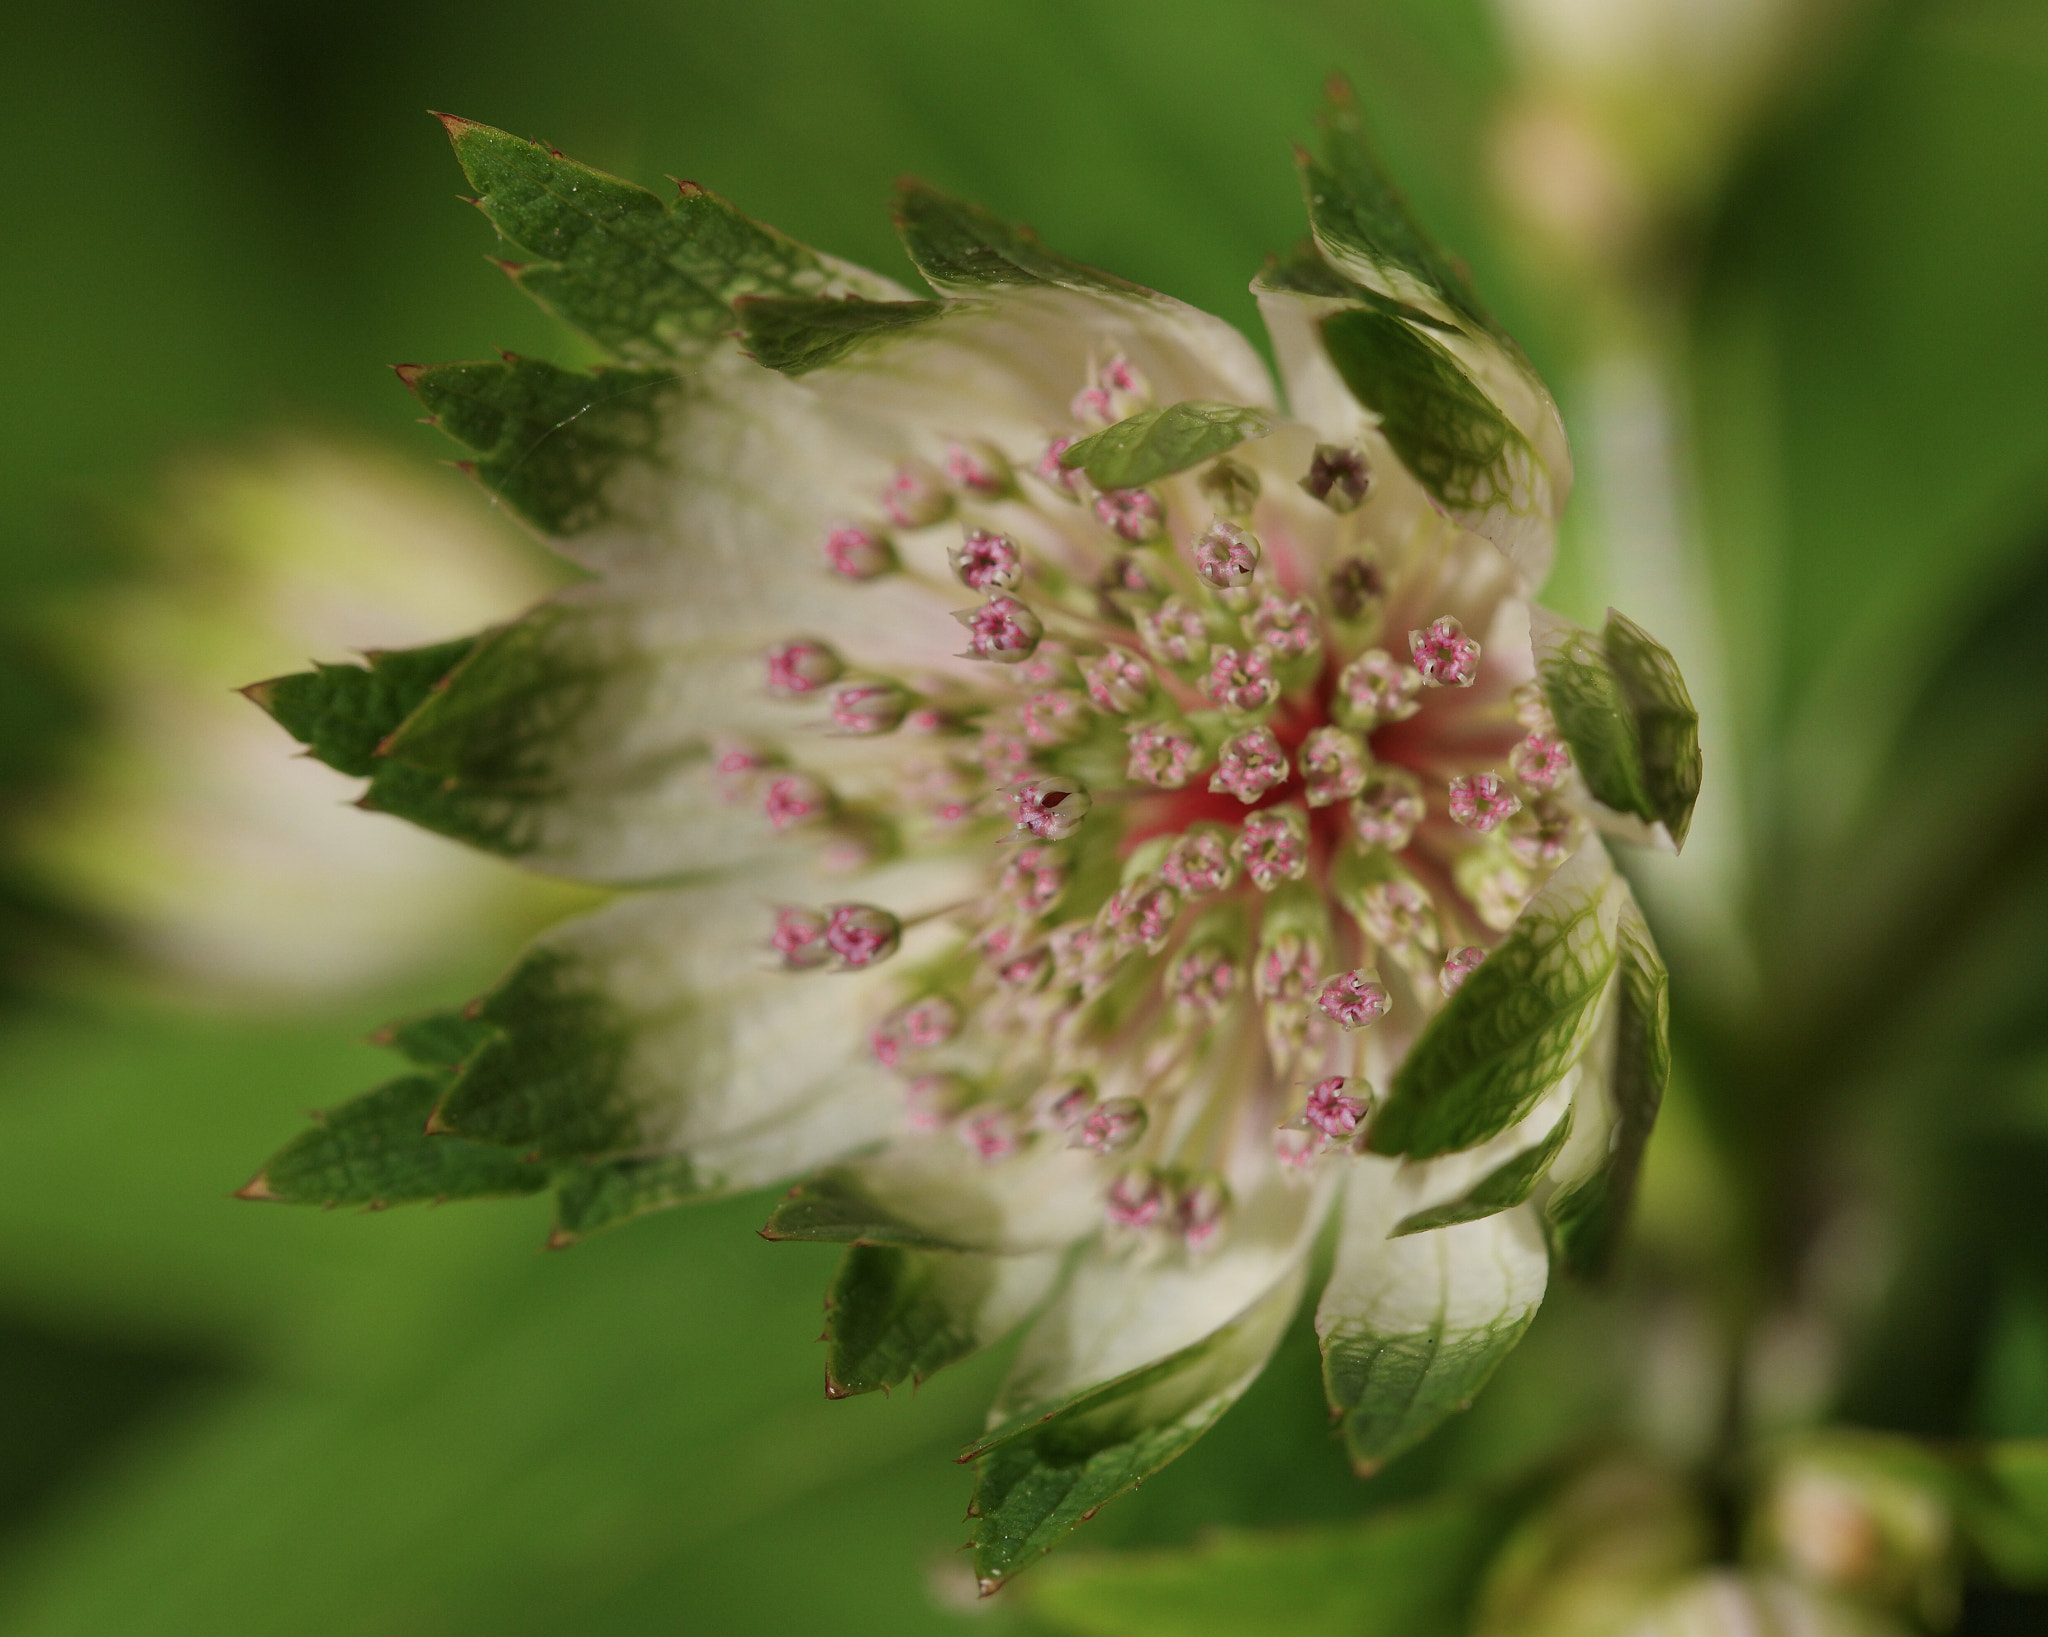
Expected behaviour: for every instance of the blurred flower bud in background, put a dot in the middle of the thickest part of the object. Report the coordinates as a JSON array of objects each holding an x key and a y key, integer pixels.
[{"x": 227, "y": 872}]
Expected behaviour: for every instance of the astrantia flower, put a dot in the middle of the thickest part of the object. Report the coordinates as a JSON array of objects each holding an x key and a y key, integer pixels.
[{"x": 1104, "y": 967}]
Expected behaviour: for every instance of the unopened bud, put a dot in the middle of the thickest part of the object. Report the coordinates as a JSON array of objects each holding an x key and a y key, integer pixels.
[
  {"x": 1544, "y": 836},
  {"x": 1354, "y": 1000},
  {"x": 857, "y": 553},
  {"x": 1399, "y": 916},
  {"x": 979, "y": 468},
  {"x": 1387, "y": 810},
  {"x": 1445, "y": 656},
  {"x": 1226, "y": 556},
  {"x": 931, "y": 1100},
  {"x": 993, "y": 1133},
  {"x": 1137, "y": 1198},
  {"x": 1133, "y": 514},
  {"x": 1112, "y": 1127},
  {"x": 869, "y": 707},
  {"x": 1064, "y": 479},
  {"x": 1162, "y": 756},
  {"x": 1199, "y": 862},
  {"x": 1174, "y": 633},
  {"x": 1356, "y": 587},
  {"x": 1333, "y": 765},
  {"x": 1333, "y": 1110},
  {"x": 1034, "y": 879},
  {"x": 1532, "y": 710},
  {"x": 1273, "y": 847},
  {"x": 1063, "y": 1106},
  {"x": 918, "y": 1027},
  {"x": 1540, "y": 761},
  {"x": 861, "y": 935},
  {"x": 985, "y": 561},
  {"x": 1054, "y": 717},
  {"x": 794, "y": 798},
  {"x": 801, "y": 667},
  {"x": 1285, "y": 626},
  {"x": 1249, "y": 765},
  {"x": 798, "y": 936},
  {"x": 1198, "y": 1217},
  {"x": 1050, "y": 808},
  {"x": 1376, "y": 688},
  {"x": 1483, "y": 801},
  {"x": 1338, "y": 477},
  {"x": 1118, "y": 682},
  {"x": 1231, "y": 487},
  {"x": 1285, "y": 968},
  {"x": 1140, "y": 915},
  {"x": 1241, "y": 681},
  {"x": 1001, "y": 629},
  {"x": 1203, "y": 981}
]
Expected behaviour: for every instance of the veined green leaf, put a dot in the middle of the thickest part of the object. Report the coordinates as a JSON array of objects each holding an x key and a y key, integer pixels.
[
  {"x": 797, "y": 334},
  {"x": 1048, "y": 1469},
  {"x": 1406, "y": 1571},
  {"x": 1448, "y": 432},
  {"x": 1515, "y": 1026},
  {"x": 376, "y": 1151},
  {"x": 895, "y": 1315},
  {"x": 1413, "y": 1327},
  {"x": 1156, "y": 443},
  {"x": 435, "y": 1040},
  {"x": 1622, "y": 706},
  {"x": 1508, "y": 1184},
  {"x": 643, "y": 277},
  {"x": 962, "y": 249},
  {"x": 547, "y": 440},
  {"x": 599, "y": 1194},
  {"x": 1586, "y": 1219},
  {"x": 343, "y": 714}
]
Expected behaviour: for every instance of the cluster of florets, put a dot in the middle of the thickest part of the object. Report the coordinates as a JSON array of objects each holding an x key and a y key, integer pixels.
[{"x": 1184, "y": 668}]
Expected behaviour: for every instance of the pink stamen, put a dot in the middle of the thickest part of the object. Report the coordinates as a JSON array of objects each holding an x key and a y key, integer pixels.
[
  {"x": 1445, "y": 656},
  {"x": 985, "y": 561},
  {"x": 1241, "y": 681},
  {"x": 1001, "y": 629},
  {"x": 1067, "y": 481},
  {"x": 1333, "y": 765},
  {"x": 1117, "y": 682},
  {"x": 916, "y": 496},
  {"x": 861, "y": 934},
  {"x": 1226, "y": 555},
  {"x": 1273, "y": 847},
  {"x": 992, "y": 1133},
  {"x": 1376, "y": 688},
  {"x": 1203, "y": 981},
  {"x": 798, "y": 937},
  {"x": 1034, "y": 879},
  {"x": 1296, "y": 1147},
  {"x": 1483, "y": 801},
  {"x": 1398, "y": 914},
  {"x": 1285, "y": 968},
  {"x": 1141, "y": 915},
  {"x": 978, "y": 468},
  {"x": 1134, "y": 514},
  {"x": 1354, "y": 1000},
  {"x": 1539, "y": 761},
  {"x": 1386, "y": 812},
  {"x": 1050, "y": 808},
  {"x": 1063, "y": 1107},
  {"x": 796, "y": 668},
  {"x": 871, "y": 707},
  {"x": 1199, "y": 862},
  {"x": 856, "y": 553},
  {"x": 1546, "y": 839},
  {"x": 1286, "y": 626},
  {"x": 1054, "y": 717},
  {"x": 1199, "y": 1216},
  {"x": 1162, "y": 756},
  {"x": 1174, "y": 633},
  {"x": 1113, "y": 1126},
  {"x": 1249, "y": 766},
  {"x": 1333, "y": 1111},
  {"x": 793, "y": 799},
  {"x": 1136, "y": 1198}
]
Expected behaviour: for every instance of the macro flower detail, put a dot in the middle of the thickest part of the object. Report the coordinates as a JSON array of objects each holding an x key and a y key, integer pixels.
[{"x": 1049, "y": 1030}]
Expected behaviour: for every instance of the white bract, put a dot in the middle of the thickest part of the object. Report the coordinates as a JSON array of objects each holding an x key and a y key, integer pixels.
[{"x": 1054, "y": 765}]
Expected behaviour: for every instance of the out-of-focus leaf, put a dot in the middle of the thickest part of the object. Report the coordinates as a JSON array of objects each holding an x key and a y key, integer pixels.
[{"x": 1156, "y": 443}]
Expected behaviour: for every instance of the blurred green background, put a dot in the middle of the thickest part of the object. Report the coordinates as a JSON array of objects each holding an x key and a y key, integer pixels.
[{"x": 230, "y": 216}]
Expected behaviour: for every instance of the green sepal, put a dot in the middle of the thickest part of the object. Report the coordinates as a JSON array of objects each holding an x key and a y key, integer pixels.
[
  {"x": 1403, "y": 1571},
  {"x": 343, "y": 714},
  {"x": 1356, "y": 210},
  {"x": 962, "y": 248},
  {"x": 643, "y": 277},
  {"x": 1586, "y": 1220},
  {"x": 833, "y": 1207},
  {"x": 1448, "y": 433},
  {"x": 1502, "y": 1188},
  {"x": 1512, "y": 1030},
  {"x": 436, "y": 1040},
  {"x": 608, "y": 1193},
  {"x": 1622, "y": 706},
  {"x": 548, "y": 1082},
  {"x": 797, "y": 334},
  {"x": 547, "y": 440},
  {"x": 1049, "y": 1469},
  {"x": 376, "y": 1151},
  {"x": 1156, "y": 443},
  {"x": 895, "y": 1315}
]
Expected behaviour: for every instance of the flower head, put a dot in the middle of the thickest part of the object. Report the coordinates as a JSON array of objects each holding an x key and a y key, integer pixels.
[{"x": 1053, "y": 1019}]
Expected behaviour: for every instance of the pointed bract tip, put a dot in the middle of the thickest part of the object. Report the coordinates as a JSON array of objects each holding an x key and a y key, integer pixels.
[
  {"x": 511, "y": 269},
  {"x": 560, "y": 1239},
  {"x": 687, "y": 189},
  {"x": 456, "y": 126},
  {"x": 257, "y": 1187},
  {"x": 409, "y": 373},
  {"x": 259, "y": 693},
  {"x": 833, "y": 1389},
  {"x": 436, "y": 1126},
  {"x": 1365, "y": 1468},
  {"x": 988, "y": 1585}
]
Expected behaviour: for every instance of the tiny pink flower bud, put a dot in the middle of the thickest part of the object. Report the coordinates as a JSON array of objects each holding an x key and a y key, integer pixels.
[
  {"x": 1140, "y": 914},
  {"x": 1203, "y": 981},
  {"x": 979, "y": 468},
  {"x": 1126, "y": 572},
  {"x": 801, "y": 667},
  {"x": 1399, "y": 915},
  {"x": 916, "y": 496},
  {"x": 1354, "y": 1000},
  {"x": 930, "y": 1022},
  {"x": 1286, "y": 626},
  {"x": 1241, "y": 681},
  {"x": 1161, "y": 755},
  {"x": 1376, "y": 688},
  {"x": 1174, "y": 633},
  {"x": 1001, "y": 629},
  {"x": 1249, "y": 766},
  {"x": 869, "y": 707},
  {"x": 1544, "y": 838},
  {"x": 1285, "y": 968},
  {"x": 1332, "y": 1110},
  {"x": 1062, "y": 478},
  {"x": 1001, "y": 754},
  {"x": 856, "y": 553},
  {"x": 1136, "y": 1199},
  {"x": 1198, "y": 1218},
  {"x": 985, "y": 561},
  {"x": 1054, "y": 717},
  {"x": 1226, "y": 555},
  {"x": 1199, "y": 863},
  {"x": 1133, "y": 514},
  {"x": 1296, "y": 1147},
  {"x": 1273, "y": 847},
  {"x": 1356, "y": 588},
  {"x": 1034, "y": 879},
  {"x": 1063, "y": 1106},
  {"x": 1333, "y": 765},
  {"x": 1445, "y": 656},
  {"x": 1079, "y": 958},
  {"x": 861, "y": 935},
  {"x": 1050, "y": 808},
  {"x": 737, "y": 766},
  {"x": 1118, "y": 682},
  {"x": 1338, "y": 477},
  {"x": 1539, "y": 761},
  {"x": 1232, "y": 488},
  {"x": 1483, "y": 801},
  {"x": 1459, "y": 965},
  {"x": 798, "y": 937},
  {"x": 993, "y": 1133},
  {"x": 1387, "y": 810},
  {"x": 1113, "y": 1126},
  {"x": 793, "y": 799},
  {"x": 1121, "y": 375},
  {"x": 1093, "y": 405},
  {"x": 931, "y": 1100},
  {"x": 1026, "y": 971}
]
